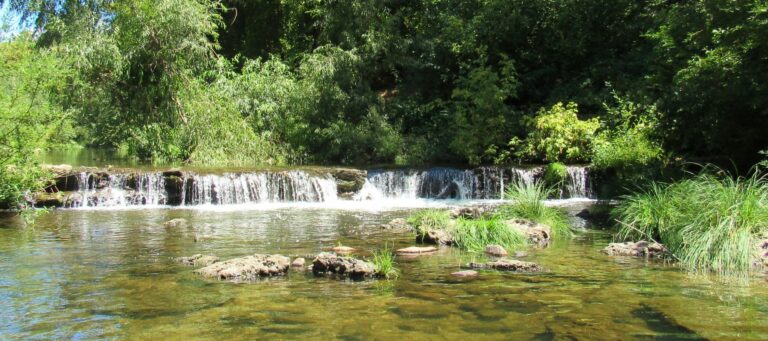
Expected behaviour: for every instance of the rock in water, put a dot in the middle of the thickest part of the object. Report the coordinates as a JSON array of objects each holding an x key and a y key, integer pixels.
[
  {"x": 636, "y": 249},
  {"x": 176, "y": 223},
  {"x": 197, "y": 260},
  {"x": 496, "y": 251},
  {"x": 247, "y": 268},
  {"x": 440, "y": 237},
  {"x": 328, "y": 263},
  {"x": 397, "y": 224},
  {"x": 468, "y": 212},
  {"x": 298, "y": 262},
  {"x": 465, "y": 273},
  {"x": 538, "y": 234},
  {"x": 507, "y": 264},
  {"x": 416, "y": 250}
]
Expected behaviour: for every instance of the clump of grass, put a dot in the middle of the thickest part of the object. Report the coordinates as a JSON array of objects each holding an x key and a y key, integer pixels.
[
  {"x": 384, "y": 261},
  {"x": 475, "y": 234},
  {"x": 528, "y": 203},
  {"x": 430, "y": 219},
  {"x": 707, "y": 222}
]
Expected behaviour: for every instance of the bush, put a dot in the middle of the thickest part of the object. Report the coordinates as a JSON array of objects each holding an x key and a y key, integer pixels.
[
  {"x": 557, "y": 135},
  {"x": 707, "y": 222},
  {"x": 475, "y": 234},
  {"x": 528, "y": 203}
]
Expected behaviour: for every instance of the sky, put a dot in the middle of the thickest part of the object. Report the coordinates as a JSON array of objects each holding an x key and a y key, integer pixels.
[{"x": 10, "y": 22}]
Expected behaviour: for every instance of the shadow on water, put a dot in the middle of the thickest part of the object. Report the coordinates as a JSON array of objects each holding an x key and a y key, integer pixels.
[{"x": 664, "y": 326}]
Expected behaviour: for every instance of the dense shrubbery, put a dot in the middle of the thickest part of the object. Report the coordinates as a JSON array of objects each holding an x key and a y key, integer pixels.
[{"x": 708, "y": 222}]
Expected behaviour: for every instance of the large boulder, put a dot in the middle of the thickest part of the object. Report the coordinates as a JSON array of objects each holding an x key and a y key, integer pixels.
[
  {"x": 329, "y": 263},
  {"x": 247, "y": 268},
  {"x": 538, "y": 234},
  {"x": 636, "y": 249},
  {"x": 507, "y": 264},
  {"x": 197, "y": 260}
]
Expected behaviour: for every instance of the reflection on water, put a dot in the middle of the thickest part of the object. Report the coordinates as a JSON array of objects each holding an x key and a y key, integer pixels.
[{"x": 106, "y": 274}]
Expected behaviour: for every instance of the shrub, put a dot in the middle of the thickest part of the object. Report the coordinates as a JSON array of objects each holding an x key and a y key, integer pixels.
[
  {"x": 707, "y": 222},
  {"x": 528, "y": 203},
  {"x": 557, "y": 135}
]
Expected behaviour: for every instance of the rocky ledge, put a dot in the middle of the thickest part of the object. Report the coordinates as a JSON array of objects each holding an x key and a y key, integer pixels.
[{"x": 247, "y": 268}]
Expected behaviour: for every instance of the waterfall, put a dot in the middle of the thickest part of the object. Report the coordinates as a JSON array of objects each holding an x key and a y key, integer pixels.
[
  {"x": 244, "y": 188},
  {"x": 577, "y": 183},
  {"x": 449, "y": 183},
  {"x": 118, "y": 190}
]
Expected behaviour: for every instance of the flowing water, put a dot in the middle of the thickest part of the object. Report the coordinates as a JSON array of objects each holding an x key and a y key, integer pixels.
[{"x": 94, "y": 274}]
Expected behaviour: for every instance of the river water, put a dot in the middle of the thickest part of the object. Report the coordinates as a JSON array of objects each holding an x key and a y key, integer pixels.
[{"x": 109, "y": 273}]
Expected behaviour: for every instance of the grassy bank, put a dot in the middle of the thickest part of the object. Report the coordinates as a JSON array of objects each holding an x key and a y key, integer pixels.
[{"x": 707, "y": 222}]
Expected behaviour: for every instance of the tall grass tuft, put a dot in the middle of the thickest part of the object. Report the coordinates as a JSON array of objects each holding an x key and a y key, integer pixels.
[
  {"x": 384, "y": 261},
  {"x": 707, "y": 222},
  {"x": 528, "y": 203},
  {"x": 475, "y": 234},
  {"x": 430, "y": 219}
]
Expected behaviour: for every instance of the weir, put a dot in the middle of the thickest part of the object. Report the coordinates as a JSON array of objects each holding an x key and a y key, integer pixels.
[{"x": 128, "y": 188}]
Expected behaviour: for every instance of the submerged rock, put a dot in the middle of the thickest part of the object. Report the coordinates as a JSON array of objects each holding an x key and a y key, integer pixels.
[
  {"x": 343, "y": 249},
  {"x": 197, "y": 260},
  {"x": 636, "y": 249},
  {"x": 465, "y": 273},
  {"x": 328, "y": 263},
  {"x": 538, "y": 234},
  {"x": 298, "y": 262},
  {"x": 247, "y": 268},
  {"x": 176, "y": 223},
  {"x": 507, "y": 264},
  {"x": 496, "y": 250},
  {"x": 416, "y": 250}
]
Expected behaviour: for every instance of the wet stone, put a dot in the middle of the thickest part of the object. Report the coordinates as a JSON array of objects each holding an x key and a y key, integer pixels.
[
  {"x": 197, "y": 260},
  {"x": 416, "y": 250},
  {"x": 465, "y": 273},
  {"x": 298, "y": 262},
  {"x": 343, "y": 249},
  {"x": 496, "y": 251},
  {"x": 247, "y": 268},
  {"x": 538, "y": 234},
  {"x": 636, "y": 249},
  {"x": 439, "y": 237},
  {"x": 328, "y": 263},
  {"x": 396, "y": 224}
]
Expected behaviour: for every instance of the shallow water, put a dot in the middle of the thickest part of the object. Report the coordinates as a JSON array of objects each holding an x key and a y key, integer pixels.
[{"x": 85, "y": 274}]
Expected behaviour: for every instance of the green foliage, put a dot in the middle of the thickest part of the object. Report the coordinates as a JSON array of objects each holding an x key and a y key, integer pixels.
[
  {"x": 555, "y": 174},
  {"x": 625, "y": 144},
  {"x": 29, "y": 116},
  {"x": 384, "y": 261},
  {"x": 557, "y": 135},
  {"x": 707, "y": 222},
  {"x": 528, "y": 203},
  {"x": 475, "y": 234}
]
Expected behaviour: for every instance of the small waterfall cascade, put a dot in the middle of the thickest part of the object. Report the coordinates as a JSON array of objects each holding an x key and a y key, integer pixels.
[
  {"x": 577, "y": 183},
  {"x": 434, "y": 183},
  {"x": 245, "y": 188},
  {"x": 118, "y": 190},
  {"x": 449, "y": 183}
]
